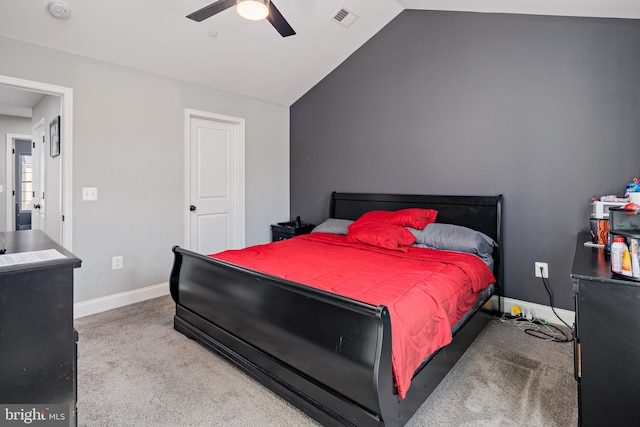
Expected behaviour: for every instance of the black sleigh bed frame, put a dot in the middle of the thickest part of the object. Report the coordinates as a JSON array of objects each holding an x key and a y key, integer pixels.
[{"x": 328, "y": 355}]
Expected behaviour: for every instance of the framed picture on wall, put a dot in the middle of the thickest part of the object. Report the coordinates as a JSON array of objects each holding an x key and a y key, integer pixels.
[{"x": 54, "y": 136}]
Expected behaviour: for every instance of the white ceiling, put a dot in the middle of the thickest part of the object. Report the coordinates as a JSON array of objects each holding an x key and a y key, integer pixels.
[
  {"x": 249, "y": 58},
  {"x": 18, "y": 103}
]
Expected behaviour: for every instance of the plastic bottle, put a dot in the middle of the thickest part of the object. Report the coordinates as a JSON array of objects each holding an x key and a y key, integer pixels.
[
  {"x": 617, "y": 253},
  {"x": 635, "y": 261},
  {"x": 626, "y": 263}
]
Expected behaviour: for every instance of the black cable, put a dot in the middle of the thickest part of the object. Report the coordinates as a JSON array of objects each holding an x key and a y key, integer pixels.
[
  {"x": 541, "y": 334},
  {"x": 547, "y": 286},
  {"x": 537, "y": 333},
  {"x": 545, "y": 335}
]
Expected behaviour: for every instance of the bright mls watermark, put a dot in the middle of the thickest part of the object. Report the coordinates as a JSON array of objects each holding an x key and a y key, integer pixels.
[{"x": 36, "y": 415}]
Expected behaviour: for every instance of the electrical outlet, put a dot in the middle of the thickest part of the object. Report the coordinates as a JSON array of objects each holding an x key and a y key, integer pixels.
[
  {"x": 542, "y": 269},
  {"x": 116, "y": 262},
  {"x": 89, "y": 193}
]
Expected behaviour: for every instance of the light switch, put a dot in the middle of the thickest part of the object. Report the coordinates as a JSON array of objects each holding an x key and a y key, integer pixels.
[
  {"x": 1, "y": 188},
  {"x": 89, "y": 193}
]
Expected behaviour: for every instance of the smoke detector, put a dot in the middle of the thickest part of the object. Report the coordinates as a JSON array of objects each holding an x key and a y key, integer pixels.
[{"x": 59, "y": 10}]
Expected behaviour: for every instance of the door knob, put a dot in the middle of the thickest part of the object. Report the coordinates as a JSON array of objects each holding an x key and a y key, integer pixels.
[
  {"x": 192, "y": 208},
  {"x": 36, "y": 206}
]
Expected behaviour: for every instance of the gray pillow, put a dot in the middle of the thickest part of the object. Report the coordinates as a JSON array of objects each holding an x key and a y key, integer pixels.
[
  {"x": 454, "y": 238},
  {"x": 333, "y": 226}
]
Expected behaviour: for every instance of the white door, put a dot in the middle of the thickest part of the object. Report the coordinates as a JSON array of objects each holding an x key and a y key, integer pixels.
[
  {"x": 38, "y": 153},
  {"x": 215, "y": 182}
]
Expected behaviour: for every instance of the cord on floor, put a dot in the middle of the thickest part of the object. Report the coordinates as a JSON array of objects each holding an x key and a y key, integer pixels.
[
  {"x": 537, "y": 328},
  {"x": 541, "y": 328}
]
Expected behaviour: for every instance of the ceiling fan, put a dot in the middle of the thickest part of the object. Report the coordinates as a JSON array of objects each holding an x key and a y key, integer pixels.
[{"x": 263, "y": 9}]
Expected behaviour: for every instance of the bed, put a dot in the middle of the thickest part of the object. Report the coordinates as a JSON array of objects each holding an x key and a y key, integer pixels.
[{"x": 329, "y": 355}]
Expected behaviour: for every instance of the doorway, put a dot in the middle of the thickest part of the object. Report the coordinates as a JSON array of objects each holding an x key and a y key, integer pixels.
[
  {"x": 66, "y": 147},
  {"x": 23, "y": 191},
  {"x": 214, "y": 155},
  {"x": 10, "y": 179}
]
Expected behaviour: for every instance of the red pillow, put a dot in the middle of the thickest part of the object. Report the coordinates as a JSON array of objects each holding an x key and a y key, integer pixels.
[
  {"x": 387, "y": 236},
  {"x": 417, "y": 218}
]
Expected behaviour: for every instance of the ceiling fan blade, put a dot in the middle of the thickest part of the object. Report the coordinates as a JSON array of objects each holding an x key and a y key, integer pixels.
[
  {"x": 212, "y": 9},
  {"x": 278, "y": 21}
]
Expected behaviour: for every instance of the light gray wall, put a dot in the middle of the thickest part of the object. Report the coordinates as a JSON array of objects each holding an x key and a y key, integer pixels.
[
  {"x": 544, "y": 110},
  {"x": 15, "y": 125},
  {"x": 48, "y": 109},
  {"x": 129, "y": 142}
]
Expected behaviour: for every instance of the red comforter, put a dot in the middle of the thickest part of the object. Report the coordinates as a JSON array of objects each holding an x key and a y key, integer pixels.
[{"x": 426, "y": 291}]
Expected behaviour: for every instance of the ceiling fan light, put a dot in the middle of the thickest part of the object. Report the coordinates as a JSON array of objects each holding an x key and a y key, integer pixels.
[{"x": 253, "y": 10}]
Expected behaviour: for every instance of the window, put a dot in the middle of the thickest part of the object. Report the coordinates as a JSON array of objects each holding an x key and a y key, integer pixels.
[{"x": 26, "y": 182}]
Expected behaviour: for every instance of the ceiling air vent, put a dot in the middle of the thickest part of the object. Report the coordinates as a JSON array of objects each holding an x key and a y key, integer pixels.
[{"x": 344, "y": 17}]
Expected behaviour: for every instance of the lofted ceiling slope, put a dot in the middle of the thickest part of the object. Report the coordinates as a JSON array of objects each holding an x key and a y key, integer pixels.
[{"x": 230, "y": 53}]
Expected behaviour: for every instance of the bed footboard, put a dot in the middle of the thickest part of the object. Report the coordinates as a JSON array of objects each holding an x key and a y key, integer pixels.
[{"x": 330, "y": 356}]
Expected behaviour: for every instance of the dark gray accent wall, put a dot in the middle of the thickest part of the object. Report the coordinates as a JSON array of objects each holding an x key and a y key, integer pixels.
[{"x": 544, "y": 110}]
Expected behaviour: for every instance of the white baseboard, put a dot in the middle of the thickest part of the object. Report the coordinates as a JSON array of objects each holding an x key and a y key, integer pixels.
[
  {"x": 539, "y": 311},
  {"x": 97, "y": 305}
]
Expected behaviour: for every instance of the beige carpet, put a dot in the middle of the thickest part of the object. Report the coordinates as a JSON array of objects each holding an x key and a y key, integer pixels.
[{"x": 135, "y": 370}]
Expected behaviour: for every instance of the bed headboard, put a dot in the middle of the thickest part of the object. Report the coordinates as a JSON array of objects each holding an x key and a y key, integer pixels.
[{"x": 481, "y": 213}]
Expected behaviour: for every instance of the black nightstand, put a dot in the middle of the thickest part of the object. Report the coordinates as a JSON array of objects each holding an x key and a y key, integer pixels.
[{"x": 287, "y": 230}]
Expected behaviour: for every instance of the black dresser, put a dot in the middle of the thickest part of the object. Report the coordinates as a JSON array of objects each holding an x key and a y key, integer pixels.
[
  {"x": 607, "y": 340},
  {"x": 37, "y": 340}
]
